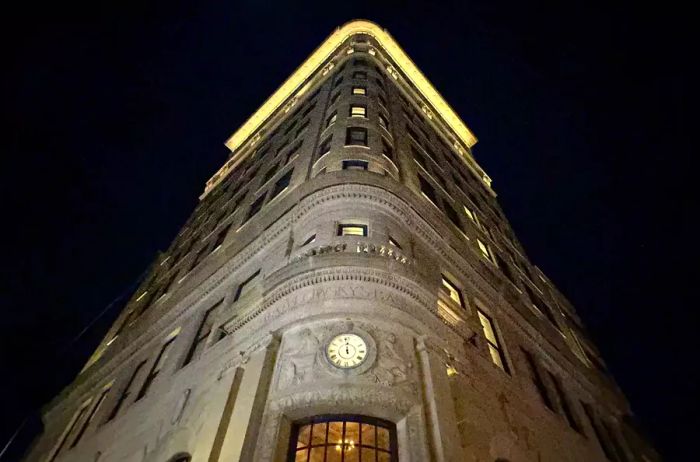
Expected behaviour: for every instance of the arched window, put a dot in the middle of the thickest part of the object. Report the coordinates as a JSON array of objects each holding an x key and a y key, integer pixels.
[{"x": 343, "y": 438}]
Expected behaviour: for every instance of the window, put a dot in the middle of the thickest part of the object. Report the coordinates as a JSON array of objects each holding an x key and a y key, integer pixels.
[
  {"x": 356, "y": 136},
  {"x": 126, "y": 392},
  {"x": 355, "y": 165},
  {"x": 309, "y": 240},
  {"x": 347, "y": 438},
  {"x": 505, "y": 268},
  {"x": 338, "y": 81},
  {"x": 539, "y": 304},
  {"x": 564, "y": 403},
  {"x": 255, "y": 208},
  {"x": 387, "y": 149},
  {"x": 472, "y": 215},
  {"x": 334, "y": 98},
  {"x": 494, "y": 346},
  {"x": 452, "y": 215},
  {"x": 393, "y": 242},
  {"x": 359, "y": 62},
  {"x": 383, "y": 122},
  {"x": 67, "y": 432},
  {"x": 308, "y": 110},
  {"x": 302, "y": 129},
  {"x": 203, "y": 332},
  {"x": 452, "y": 291},
  {"x": 599, "y": 431},
  {"x": 359, "y": 91},
  {"x": 352, "y": 229},
  {"x": 382, "y": 99},
  {"x": 325, "y": 146},
  {"x": 331, "y": 119},
  {"x": 358, "y": 111},
  {"x": 281, "y": 184},
  {"x": 427, "y": 190},
  {"x": 91, "y": 416},
  {"x": 359, "y": 75},
  {"x": 537, "y": 379},
  {"x": 157, "y": 367},
  {"x": 246, "y": 285},
  {"x": 484, "y": 249}
]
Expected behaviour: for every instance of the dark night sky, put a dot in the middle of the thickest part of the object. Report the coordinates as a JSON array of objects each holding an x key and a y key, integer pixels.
[{"x": 115, "y": 116}]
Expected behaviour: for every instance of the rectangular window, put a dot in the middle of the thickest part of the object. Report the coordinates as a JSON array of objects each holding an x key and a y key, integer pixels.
[
  {"x": 427, "y": 189},
  {"x": 356, "y": 136},
  {"x": 387, "y": 149},
  {"x": 220, "y": 238},
  {"x": 86, "y": 423},
  {"x": 355, "y": 165},
  {"x": 351, "y": 229},
  {"x": 359, "y": 91},
  {"x": 452, "y": 291},
  {"x": 494, "y": 345},
  {"x": 452, "y": 215},
  {"x": 255, "y": 208},
  {"x": 157, "y": 367},
  {"x": 205, "y": 327},
  {"x": 484, "y": 249},
  {"x": 564, "y": 403},
  {"x": 246, "y": 285},
  {"x": 126, "y": 392},
  {"x": 331, "y": 119},
  {"x": 281, "y": 184},
  {"x": 358, "y": 111},
  {"x": 325, "y": 146},
  {"x": 537, "y": 379},
  {"x": 359, "y": 75}
]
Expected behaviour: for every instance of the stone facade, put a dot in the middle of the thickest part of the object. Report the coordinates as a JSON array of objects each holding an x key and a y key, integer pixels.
[{"x": 223, "y": 349}]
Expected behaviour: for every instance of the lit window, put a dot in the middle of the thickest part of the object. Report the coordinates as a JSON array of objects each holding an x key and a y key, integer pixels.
[
  {"x": 349, "y": 438},
  {"x": 356, "y": 136},
  {"x": 358, "y": 111},
  {"x": 355, "y": 165},
  {"x": 484, "y": 249},
  {"x": 452, "y": 291},
  {"x": 472, "y": 216},
  {"x": 359, "y": 91},
  {"x": 352, "y": 229},
  {"x": 492, "y": 341}
]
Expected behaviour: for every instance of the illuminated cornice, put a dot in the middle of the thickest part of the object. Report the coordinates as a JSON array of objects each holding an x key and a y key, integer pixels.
[{"x": 321, "y": 55}]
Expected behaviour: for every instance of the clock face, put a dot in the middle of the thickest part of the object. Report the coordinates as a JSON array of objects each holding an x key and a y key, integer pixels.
[{"x": 347, "y": 351}]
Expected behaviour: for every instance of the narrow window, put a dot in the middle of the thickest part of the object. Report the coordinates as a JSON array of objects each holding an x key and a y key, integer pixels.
[
  {"x": 292, "y": 152},
  {"x": 356, "y": 136},
  {"x": 495, "y": 349},
  {"x": 382, "y": 99},
  {"x": 302, "y": 129},
  {"x": 484, "y": 249},
  {"x": 452, "y": 215},
  {"x": 220, "y": 238},
  {"x": 452, "y": 291},
  {"x": 387, "y": 149},
  {"x": 309, "y": 240},
  {"x": 564, "y": 403},
  {"x": 91, "y": 416},
  {"x": 359, "y": 62},
  {"x": 355, "y": 165},
  {"x": 427, "y": 190},
  {"x": 393, "y": 242},
  {"x": 537, "y": 379},
  {"x": 383, "y": 122},
  {"x": 201, "y": 253},
  {"x": 599, "y": 431},
  {"x": 331, "y": 119},
  {"x": 359, "y": 91},
  {"x": 352, "y": 229},
  {"x": 325, "y": 146},
  {"x": 246, "y": 285},
  {"x": 505, "y": 268},
  {"x": 334, "y": 98},
  {"x": 472, "y": 215},
  {"x": 308, "y": 110},
  {"x": 157, "y": 367},
  {"x": 338, "y": 81},
  {"x": 66, "y": 434},
  {"x": 126, "y": 392},
  {"x": 358, "y": 111},
  {"x": 255, "y": 208},
  {"x": 203, "y": 332},
  {"x": 281, "y": 184}
]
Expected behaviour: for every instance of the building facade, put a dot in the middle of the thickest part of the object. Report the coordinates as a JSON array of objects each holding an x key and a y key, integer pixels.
[{"x": 347, "y": 289}]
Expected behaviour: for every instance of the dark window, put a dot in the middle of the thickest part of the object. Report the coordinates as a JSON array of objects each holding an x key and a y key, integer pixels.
[
  {"x": 331, "y": 119},
  {"x": 599, "y": 431},
  {"x": 86, "y": 423},
  {"x": 325, "y": 146},
  {"x": 383, "y": 122},
  {"x": 71, "y": 427},
  {"x": 269, "y": 174},
  {"x": 379, "y": 81},
  {"x": 302, "y": 129},
  {"x": 359, "y": 75},
  {"x": 156, "y": 368},
  {"x": 359, "y": 62},
  {"x": 309, "y": 240},
  {"x": 220, "y": 237},
  {"x": 427, "y": 189},
  {"x": 343, "y": 437},
  {"x": 281, "y": 184},
  {"x": 452, "y": 215},
  {"x": 201, "y": 253},
  {"x": 255, "y": 208},
  {"x": 308, "y": 110},
  {"x": 246, "y": 285},
  {"x": 126, "y": 392},
  {"x": 355, "y": 165},
  {"x": 338, "y": 81},
  {"x": 564, "y": 403},
  {"x": 334, "y": 98},
  {"x": 505, "y": 268},
  {"x": 387, "y": 149},
  {"x": 393, "y": 242},
  {"x": 292, "y": 152},
  {"x": 203, "y": 332},
  {"x": 382, "y": 99},
  {"x": 537, "y": 379},
  {"x": 352, "y": 229},
  {"x": 356, "y": 136}
]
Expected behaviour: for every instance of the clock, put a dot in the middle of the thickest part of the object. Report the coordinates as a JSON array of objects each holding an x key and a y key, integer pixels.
[{"x": 347, "y": 351}]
